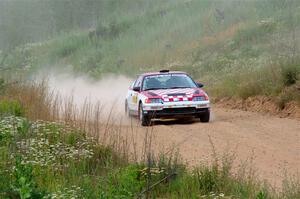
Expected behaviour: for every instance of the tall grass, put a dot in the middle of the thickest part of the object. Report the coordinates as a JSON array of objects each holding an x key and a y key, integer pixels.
[{"x": 277, "y": 81}]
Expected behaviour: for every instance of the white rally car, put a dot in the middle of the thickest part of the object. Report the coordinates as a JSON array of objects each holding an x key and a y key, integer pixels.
[{"x": 166, "y": 94}]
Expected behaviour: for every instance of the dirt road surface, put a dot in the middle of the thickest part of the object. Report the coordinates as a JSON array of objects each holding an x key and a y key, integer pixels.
[{"x": 272, "y": 143}]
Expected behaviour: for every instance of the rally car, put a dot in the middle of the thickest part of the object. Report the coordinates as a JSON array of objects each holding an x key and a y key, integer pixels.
[{"x": 166, "y": 94}]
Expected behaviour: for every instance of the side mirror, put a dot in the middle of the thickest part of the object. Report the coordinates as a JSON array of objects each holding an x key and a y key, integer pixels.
[
  {"x": 200, "y": 85},
  {"x": 137, "y": 89}
]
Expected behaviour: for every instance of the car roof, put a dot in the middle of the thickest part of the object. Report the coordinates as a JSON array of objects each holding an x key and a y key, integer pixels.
[{"x": 162, "y": 73}]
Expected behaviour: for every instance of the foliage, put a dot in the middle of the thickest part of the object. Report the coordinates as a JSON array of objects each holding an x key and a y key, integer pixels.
[
  {"x": 46, "y": 157},
  {"x": 11, "y": 107},
  {"x": 67, "y": 45},
  {"x": 25, "y": 186},
  {"x": 110, "y": 31},
  {"x": 261, "y": 195},
  {"x": 279, "y": 81},
  {"x": 290, "y": 74},
  {"x": 123, "y": 183},
  {"x": 2, "y": 85},
  {"x": 255, "y": 33}
]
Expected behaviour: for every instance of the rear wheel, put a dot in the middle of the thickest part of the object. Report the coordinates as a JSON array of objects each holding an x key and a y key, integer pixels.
[
  {"x": 127, "y": 111},
  {"x": 145, "y": 120},
  {"x": 205, "y": 117}
]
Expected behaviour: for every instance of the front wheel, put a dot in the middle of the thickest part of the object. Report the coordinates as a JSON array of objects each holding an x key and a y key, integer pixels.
[
  {"x": 127, "y": 111},
  {"x": 205, "y": 117},
  {"x": 145, "y": 120}
]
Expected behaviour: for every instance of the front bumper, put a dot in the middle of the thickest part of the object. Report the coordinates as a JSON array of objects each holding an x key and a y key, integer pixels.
[{"x": 176, "y": 109}]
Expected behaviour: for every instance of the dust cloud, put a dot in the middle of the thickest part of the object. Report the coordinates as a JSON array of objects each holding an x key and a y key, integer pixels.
[{"x": 109, "y": 91}]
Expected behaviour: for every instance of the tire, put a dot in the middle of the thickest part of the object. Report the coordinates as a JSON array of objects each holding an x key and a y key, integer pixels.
[
  {"x": 205, "y": 117},
  {"x": 127, "y": 111},
  {"x": 145, "y": 120}
]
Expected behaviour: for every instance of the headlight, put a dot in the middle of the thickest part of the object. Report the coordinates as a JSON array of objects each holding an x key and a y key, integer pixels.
[
  {"x": 199, "y": 98},
  {"x": 153, "y": 101}
]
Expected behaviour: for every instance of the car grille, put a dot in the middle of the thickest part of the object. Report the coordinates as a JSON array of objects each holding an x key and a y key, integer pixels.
[{"x": 187, "y": 110}]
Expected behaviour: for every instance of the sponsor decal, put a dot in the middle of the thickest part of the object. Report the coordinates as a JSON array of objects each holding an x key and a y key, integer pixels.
[
  {"x": 134, "y": 99},
  {"x": 152, "y": 94},
  {"x": 175, "y": 95},
  {"x": 165, "y": 75}
]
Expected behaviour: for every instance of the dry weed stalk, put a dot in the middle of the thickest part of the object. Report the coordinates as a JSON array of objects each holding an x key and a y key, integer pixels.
[{"x": 94, "y": 119}]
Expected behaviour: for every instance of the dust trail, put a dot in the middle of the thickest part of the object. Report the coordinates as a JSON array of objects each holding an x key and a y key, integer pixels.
[{"x": 110, "y": 91}]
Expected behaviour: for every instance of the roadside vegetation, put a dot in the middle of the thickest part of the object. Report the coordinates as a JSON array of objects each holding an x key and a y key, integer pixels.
[{"x": 43, "y": 156}]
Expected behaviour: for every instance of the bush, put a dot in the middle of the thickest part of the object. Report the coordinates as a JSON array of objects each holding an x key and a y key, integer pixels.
[
  {"x": 125, "y": 183},
  {"x": 249, "y": 89},
  {"x": 11, "y": 128},
  {"x": 283, "y": 100},
  {"x": 2, "y": 85},
  {"x": 25, "y": 186},
  {"x": 289, "y": 94},
  {"x": 290, "y": 74},
  {"x": 111, "y": 31},
  {"x": 11, "y": 107},
  {"x": 67, "y": 45},
  {"x": 254, "y": 33}
]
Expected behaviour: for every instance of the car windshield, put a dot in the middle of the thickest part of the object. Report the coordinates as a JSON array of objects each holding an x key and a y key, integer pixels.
[{"x": 168, "y": 81}]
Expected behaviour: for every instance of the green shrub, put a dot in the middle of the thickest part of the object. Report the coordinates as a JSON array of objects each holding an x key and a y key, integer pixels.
[
  {"x": 112, "y": 30},
  {"x": 264, "y": 81},
  {"x": 11, "y": 107},
  {"x": 208, "y": 179},
  {"x": 254, "y": 33},
  {"x": 262, "y": 195},
  {"x": 123, "y": 183},
  {"x": 283, "y": 100},
  {"x": 290, "y": 74},
  {"x": 24, "y": 184},
  {"x": 288, "y": 94},
  {"x": 11, "y": 128},
  {"x": 2, "y": 85},
  {"x": 90, "y": 62},
  {"x": 249, "y": 89},
  {"x": 67, "y": 45}
]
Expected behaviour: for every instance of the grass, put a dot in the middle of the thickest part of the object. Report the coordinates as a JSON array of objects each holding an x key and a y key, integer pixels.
[
  {"x": 78, "y": 158},
  {"x": 12, "y": 107},
  {"x": 280, "y": 82}
]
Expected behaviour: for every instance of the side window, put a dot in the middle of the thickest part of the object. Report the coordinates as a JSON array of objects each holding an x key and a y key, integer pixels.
[
  {"x": 132, "y": 84},
  {"x": 138, "y": 82}
]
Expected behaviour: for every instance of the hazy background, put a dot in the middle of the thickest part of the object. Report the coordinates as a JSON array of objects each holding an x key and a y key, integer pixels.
[
  {"x": 110, "y": 91},
  {"x": 237, "y": 48}
]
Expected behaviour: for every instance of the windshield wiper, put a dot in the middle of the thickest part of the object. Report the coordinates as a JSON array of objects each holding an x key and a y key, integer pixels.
[
  {"x": 153, "y": 89},
  {"x": 179, "y": 87},
  {"x": 166, "y": 88}
]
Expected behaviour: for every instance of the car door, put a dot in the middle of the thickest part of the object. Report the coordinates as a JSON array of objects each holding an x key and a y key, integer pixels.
[
  {"x": 134, "y": 95},
  {"x": 129, "y": 95}
]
